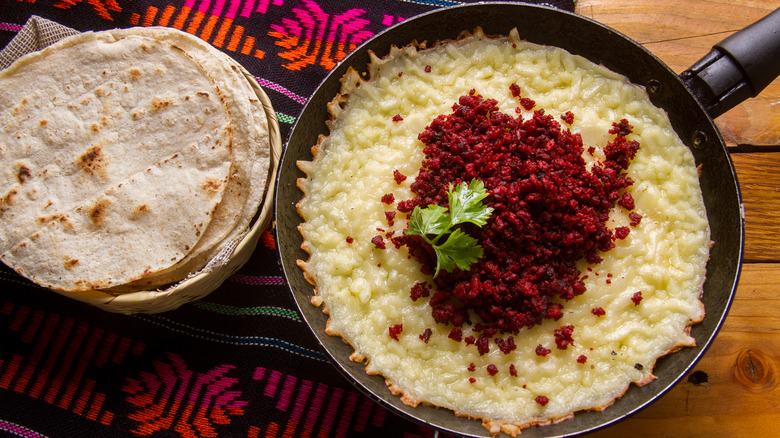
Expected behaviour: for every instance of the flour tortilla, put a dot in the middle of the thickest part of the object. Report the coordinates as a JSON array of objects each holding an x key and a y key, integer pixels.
[
  {"x": 250, "y": 148},
  {"x": 95, "y": 117},
  {"x": 124, "y": 215}
]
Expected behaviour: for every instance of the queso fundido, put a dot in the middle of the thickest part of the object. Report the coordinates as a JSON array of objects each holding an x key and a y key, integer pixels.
[{"x": 633, "y": 291}]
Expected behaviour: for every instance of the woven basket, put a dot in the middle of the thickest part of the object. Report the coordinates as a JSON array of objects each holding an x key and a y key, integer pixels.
[
  {"x": 38, "y": 33},
  {"x": 200, "y": 284}
]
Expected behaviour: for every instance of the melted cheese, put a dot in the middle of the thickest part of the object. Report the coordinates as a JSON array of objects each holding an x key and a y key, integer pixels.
[{"x": 365, "y": 290}]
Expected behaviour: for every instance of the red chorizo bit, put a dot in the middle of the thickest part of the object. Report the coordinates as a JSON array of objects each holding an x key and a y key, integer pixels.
[
  {"x": 492, "y": 369},
  {"x": 469, "y": 340},
  {"x": 540, "y": 190},
  {"x": 637, "y": 297},
  {"x": 427, "y": 69},
  {"x": 398, "y": 177},
  {"x": 350, "y": 239},
  {"x": 635, "y": 218},
  {"x": 621, "y": 129},
  {"x": 598, "y": 311},
  {"x": 515, "y": 90},
  {"x": 541, "y": 351},
  {"x": 472, "y": 380},
  {"x": 568, "y": 117},
  {"x": 626, "y": 201},
  {"x": 456, "y": 334},
  {"x": 472, "y": 367},
  {"x": 396, "y": 330},
  {"x": 388, "y": 198},
  {"x": 526, "y": 103},
  {"x": 389, "y": 234},
  {"x": 426, "y": 335},
  {"x": 420, "y": 290},
  {"x": 400, "y": 73},
  {"x": 378, "y": 242},
  {"x": 542, "y": 400},
  {"x": 622, "y": 232},
  {"x": 486, "y": 329},
  {"x": 554, "y": 311},
  {"x": 506, "y": 346},
  {"x": 390, "y": 216},
  {"x": 621, "y": 150},
  {"x": 397, "y": 118},
  {"x": 444, "y": 312},
  {"x": 483, "y": 344},
  {"x": 582, "y": 358},
  {"x": 407, "y": 206},
  {"x": 398, "y": 242},
  {"x": 512, "y": 370},
  {"x": 563, "y": 336}
]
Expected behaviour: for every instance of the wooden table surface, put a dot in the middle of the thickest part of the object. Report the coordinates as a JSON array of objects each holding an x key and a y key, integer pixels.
[{"x": 736, "y": 390}]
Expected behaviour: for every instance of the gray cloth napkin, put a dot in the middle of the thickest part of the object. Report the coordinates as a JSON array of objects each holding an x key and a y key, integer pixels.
[{"x": 36, "y": 34}]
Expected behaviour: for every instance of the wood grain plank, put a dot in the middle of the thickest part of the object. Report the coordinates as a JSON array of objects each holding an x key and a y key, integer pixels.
[
  {"x": 734, "y": 390},
  {"x": 680, "y": 33},
  {"x": 759, "y": 181}
]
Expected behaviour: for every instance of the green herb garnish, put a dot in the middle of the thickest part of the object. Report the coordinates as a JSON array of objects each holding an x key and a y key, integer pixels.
[{"x": 436, "y": 225}]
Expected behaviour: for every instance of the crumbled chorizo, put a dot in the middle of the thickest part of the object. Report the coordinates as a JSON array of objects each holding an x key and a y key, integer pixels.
[{"x": 549, "y": 212}]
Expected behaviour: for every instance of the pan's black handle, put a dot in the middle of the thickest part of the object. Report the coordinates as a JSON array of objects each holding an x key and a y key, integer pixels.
[{"x": 738, "y": 67}]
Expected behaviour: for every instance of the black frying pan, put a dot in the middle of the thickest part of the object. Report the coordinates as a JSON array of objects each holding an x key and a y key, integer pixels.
[{"x": 736, "y": 69}]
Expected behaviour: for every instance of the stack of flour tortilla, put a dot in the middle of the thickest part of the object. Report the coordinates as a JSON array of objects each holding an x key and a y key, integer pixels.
[{"x": 128, "y": 159}]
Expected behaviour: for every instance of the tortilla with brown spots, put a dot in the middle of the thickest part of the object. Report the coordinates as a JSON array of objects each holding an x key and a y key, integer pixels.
[{"x": 113, "y": 160}]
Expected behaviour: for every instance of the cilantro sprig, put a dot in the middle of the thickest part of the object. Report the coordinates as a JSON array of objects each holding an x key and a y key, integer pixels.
[{"x": 437, "y": 226}]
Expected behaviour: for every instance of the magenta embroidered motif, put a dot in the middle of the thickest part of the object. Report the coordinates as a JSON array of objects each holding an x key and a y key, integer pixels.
[
  {"x": 314, "y": 34},
  {"x": 174, "y": 397}
]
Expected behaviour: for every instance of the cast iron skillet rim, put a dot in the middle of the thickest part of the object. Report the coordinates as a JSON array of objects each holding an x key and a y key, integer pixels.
[{"x": 336, "y": 361}]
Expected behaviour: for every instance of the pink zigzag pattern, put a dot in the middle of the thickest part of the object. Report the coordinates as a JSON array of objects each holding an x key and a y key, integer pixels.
[{"x": 313, "y": 35}]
